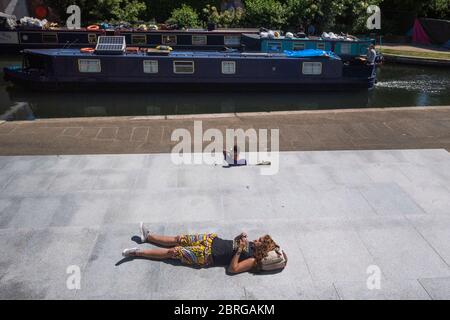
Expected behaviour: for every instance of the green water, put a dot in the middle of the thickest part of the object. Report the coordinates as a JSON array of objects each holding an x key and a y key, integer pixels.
[{"x": 398, "y": 86}]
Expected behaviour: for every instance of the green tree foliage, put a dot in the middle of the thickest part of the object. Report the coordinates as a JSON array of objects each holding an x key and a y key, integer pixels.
[
  {"x": 225, "y": 19},
  {"x": 102, "y": 10},
  {"x": 336, "y": 15},
  {"x": 161, "y": 10},
  {"x": 318, "y": 12},
  {"x": 130, "y": 11},
  {"x": 265, "y": 13},
  {"x": 184, "y": 17},
  {"x": 398, "y": 15},
  {"x": 439, "y": 9},
  {"x": 353, "y": 17}
]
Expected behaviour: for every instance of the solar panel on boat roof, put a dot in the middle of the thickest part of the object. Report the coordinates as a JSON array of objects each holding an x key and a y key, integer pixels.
[
  {"x": 109, "y": 47},
  {"x": 111, "y": 44},
  {"x": 111, "y": 39}
]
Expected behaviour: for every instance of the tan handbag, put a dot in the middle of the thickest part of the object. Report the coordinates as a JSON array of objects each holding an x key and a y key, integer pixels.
[{"x": 275, "y": 260}]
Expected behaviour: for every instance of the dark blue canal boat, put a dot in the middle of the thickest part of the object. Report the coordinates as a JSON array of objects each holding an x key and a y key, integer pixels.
[{"x": 111, "y": 65}]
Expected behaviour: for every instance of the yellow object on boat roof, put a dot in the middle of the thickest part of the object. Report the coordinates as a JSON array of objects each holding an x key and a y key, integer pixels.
[{"x": 164, "y": 48}]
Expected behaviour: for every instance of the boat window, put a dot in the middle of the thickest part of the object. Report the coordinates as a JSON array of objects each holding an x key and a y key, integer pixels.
[
  {"x": 199, "y": 40},
  {"x": 169, "y": 40},
  {"x": 150, "y": 66},
  {"x": 320, "y": 45},
  {"x": 228, "y": 67},
  {"x": 140, "y": 39},
  {"x": 298, "y": 46},
  {"x": 346, "y": 48},
  {"x": 89, "y": 65},
  {"x": 49, "y": 38},
  {"x": 232, "y": 40},
  {"x": 183, "y": 67},
  {"x": 274, "y": 46},
  {"x": 92, "y": 38},
  {"x": 312, "y": 68}
]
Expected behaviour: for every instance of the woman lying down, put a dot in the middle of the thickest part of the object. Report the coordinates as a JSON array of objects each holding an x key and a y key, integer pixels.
[{"x": 208, "y": 250}]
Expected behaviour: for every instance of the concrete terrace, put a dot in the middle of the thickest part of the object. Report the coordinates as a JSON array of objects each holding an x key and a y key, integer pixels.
[{"x": 334, "y": 212}]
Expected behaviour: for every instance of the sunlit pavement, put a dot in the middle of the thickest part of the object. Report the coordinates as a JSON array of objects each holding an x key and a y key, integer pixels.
[{"x": 337, "y": 214}]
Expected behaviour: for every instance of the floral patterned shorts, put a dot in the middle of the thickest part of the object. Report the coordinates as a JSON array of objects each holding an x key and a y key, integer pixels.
[{"x": 195, "y": 249}]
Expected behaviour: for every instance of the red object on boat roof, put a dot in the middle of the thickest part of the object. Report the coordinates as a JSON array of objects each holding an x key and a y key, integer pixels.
[
  {"x": 41, "y": 12},
  {"x": 419, "y": 35}
]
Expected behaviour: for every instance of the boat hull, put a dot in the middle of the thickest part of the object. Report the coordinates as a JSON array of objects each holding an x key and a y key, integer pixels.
[
  {"x": 22, "y": 79},
  {"x": 188, "y": 71}
]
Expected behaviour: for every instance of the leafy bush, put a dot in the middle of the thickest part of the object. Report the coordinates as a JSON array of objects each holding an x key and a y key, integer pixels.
[
  {"x": 129, "y": 11},
  {"x": 184, "y": 17},
  {"x": 226, "y": 19},
  {"x": 161, "y": 10},
  {"x": 265, "y": 13}
]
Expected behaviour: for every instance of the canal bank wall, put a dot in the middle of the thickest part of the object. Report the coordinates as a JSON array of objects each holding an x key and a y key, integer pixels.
[
  {"x": 349, "y": 129},
  {"x": 412, "y": 54},
  {"x": 391, "y": 58}
]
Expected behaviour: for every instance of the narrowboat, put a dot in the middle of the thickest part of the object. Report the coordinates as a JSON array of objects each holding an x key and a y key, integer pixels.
[
  {"x": 345, "y": 48},
  {"x": 111, "y": 65},
  {"x": 13, "y": 41}
]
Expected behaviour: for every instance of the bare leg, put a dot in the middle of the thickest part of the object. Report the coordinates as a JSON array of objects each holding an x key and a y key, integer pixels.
[
  {"x": 160, "y": 254},
  {"x": 167, "y": 241}
]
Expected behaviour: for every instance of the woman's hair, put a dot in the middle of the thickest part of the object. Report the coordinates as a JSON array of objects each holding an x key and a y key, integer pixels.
[{"x": 261, "y": 251}]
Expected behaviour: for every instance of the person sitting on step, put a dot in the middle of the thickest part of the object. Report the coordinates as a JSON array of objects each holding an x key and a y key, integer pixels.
[{"x": 233, "y": 160}]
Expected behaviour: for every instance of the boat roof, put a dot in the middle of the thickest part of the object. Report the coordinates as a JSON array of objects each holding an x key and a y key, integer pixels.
[
  {"x": 189, "y": 54},
  {"x": 284, "y": 38},
  {"x": 236, "y": 31},
  {"x": 193, "y": 30}
]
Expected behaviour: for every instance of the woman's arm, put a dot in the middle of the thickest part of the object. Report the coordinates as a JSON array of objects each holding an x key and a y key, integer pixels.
[{"x": 243, "y": 266}]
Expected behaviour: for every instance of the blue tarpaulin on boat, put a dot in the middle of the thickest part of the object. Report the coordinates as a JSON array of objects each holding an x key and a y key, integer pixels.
[{"x": 309, "y": 53}]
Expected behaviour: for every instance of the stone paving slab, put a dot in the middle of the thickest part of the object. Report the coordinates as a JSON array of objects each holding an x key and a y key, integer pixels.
[
  {"x": 437, "y": 288},
  {"x": 435, "y": 229},
  {"x": 389, "y": 290},
  {"x": 59, "y": 211}
]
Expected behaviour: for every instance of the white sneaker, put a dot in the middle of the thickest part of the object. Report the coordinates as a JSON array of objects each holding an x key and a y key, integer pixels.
[
  {"x": 144, "y": 233},
  {"x": 131, "y": 252}
]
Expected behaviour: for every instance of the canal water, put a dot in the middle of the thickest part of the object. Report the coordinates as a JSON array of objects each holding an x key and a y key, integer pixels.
[{"x": 398, "y": 86}]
